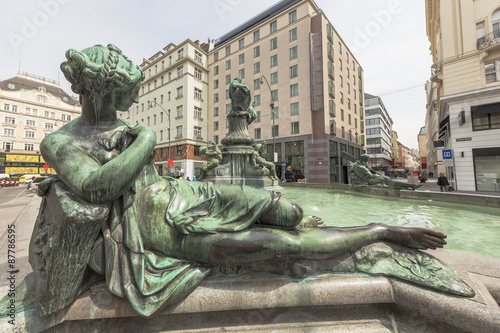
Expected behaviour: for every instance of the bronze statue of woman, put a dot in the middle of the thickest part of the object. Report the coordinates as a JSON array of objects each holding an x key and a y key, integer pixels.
[{"x": 162, "y": 236}]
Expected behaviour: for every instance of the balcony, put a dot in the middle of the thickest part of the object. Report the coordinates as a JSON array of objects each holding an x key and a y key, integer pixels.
[{"x": 488, "y": 40}]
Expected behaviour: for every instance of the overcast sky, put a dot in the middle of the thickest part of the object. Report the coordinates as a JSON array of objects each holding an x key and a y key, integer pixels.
[{"x": 387, "y": 37}]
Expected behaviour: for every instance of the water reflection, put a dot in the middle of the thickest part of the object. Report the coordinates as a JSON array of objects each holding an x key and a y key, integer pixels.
[{"x": 469, "y": 228}]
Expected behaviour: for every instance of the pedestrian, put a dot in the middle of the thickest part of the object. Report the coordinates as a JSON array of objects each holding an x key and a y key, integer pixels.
[
  {"x": 289, "y": 174},
  {"x": 431, "y": 174},
  {"x": 194, "y": 178},
  {"x": 188, "y": 178},
  {"x": 443, "y": 182}
]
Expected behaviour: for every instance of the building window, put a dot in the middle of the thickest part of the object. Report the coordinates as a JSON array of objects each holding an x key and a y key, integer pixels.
[
  {"x": 295, "y": 127},
  {"x": 148, "y": 120},
  {"x": 257, "y": 133},
  {"x": 29, "y": 146},
  {"x": 228, "y": 108},
  {"x": 257, "y": 119},
  {"x": 180, "y": 92},
  {"x": 256, "y": 68},
  {"x": 49, "y": 126},
  {"x": 216, "y": 139},
  {"x": 178, "y": 150},
  {"x": 216, "y": 97},
  {"x": 292, "y": 16},
  {"x": 216, "y": 56},
  {"x": 485, "y": 117},
  {"x": 228, "y": 79},
  {"x": 180, "y": 54},
  {"x": 256, "y": 35},
  {"x": 333, "y": 127},
  {"x": 256, "y": 100},
  {"x": 179, "y": 111},
  {"x": 197, "y": 93},
  {"x": 256, "y": 84},
  {"x": 347, "y": 71},
  {"x": 256, "y": 51},
  {"x": 331, "y": 108},
  {"x": 241, "y": 73},
  {"x": 197, "y": 56},
  {"x": 198, "y": 112},
  {"x": 216, "y": 84},
  {"x": 331, "y": 89},
  {"x": 293, "y": 35},
  {"x": 7, "y": 146},
  {"x": 275, "y": 131},
  {"x": 179, "y": 131},
  {"x": 341, "y": 81},
  {"x": 340, "y": 48},
  {"x": 274, "y": 43},
  {"x": 241, "y": 43},
  {"x": 216, "y": 70},
  {"x": 29, "y": 134},
  {"x": 491, "y": 71},
  {"x": 8, "y": 132},
  {"x": 349, "y": 119},
  {"x": 228, "y": 50},
  {"x": 274, "y": 95},
  {"x": 342, "y": 114},
  {"x": 294, "y": 109},
  {"x": 340, "y": 64},
  {"x": 10, "y": 120},
  {"x": 274, "y": 78},
  {"x": 273, "y": 27},
  {"x": 341, "y": 98},
  {"x": 294, "y": 90},
  {"x": 161, "y": 99},
  {"x": 275, "y": 113},
  {"x": 161, "y": 117},
  {"x": 343, "y": 132},
  {"x": 198, "y": 74},
  {"x": 6, "y": 107},
  {"x": 294, "y": 71},
  {"x": 30, "y": 123},
  {"x": 349, "y": 103},
  {"x": 293, "y": 53},
  {"x": 274, "y": 61},
  {"x": 180, "y": 71},
  {"x": 241, "y": 58},
  {"x": 216, "y": 111},
  {"x": 197, "y": 132},
  {"x": 227, "y": 94},
  {"x": 216, "y": 125},
  {"x": 228, "y": 65}
]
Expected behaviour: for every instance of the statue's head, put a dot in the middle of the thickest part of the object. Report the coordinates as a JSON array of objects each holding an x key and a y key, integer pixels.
[
  {"x": 238, "y": 79},
  {"x": 203, "y": 149},
  {"x": 100, "y": 71},
  {"x": 364, "y": 158}
]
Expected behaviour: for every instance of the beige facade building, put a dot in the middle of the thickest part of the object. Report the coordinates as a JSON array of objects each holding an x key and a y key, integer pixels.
[
  {"x": 173, "y": 102},
  {"x": 31, "y": 107},
  {"x": 291, "y": 56},
  {"x": 463, "y": 114}
]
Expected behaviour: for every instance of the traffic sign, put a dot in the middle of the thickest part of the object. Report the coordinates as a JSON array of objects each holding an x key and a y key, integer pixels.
[
  {"x": 447, "y": 155},
  {"x": 45, "y": 166}
]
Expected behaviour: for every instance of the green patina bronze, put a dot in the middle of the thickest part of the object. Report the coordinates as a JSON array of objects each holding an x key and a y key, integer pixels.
[
  {"x": 361, "y": 175},
  {"x": 154, "y": 239},
  {"x": 239, "y": 161}
]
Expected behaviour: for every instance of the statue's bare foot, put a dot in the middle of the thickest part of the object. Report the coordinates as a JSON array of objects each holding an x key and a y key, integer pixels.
[
  {"x": 417, "y": 238},
  {"x": 310, "y": 222}
]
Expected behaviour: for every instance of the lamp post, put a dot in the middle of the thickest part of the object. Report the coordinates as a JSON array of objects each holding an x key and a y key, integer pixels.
[
  {"x": 168, "y": 114},
  {"x": 275, "y": 155}
]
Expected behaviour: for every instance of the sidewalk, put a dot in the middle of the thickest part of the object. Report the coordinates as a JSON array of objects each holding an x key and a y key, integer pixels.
[{"x": 431, "y": 185}]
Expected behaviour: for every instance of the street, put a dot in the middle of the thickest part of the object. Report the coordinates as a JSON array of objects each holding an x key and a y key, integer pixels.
[{"x": 8, "y": 193}]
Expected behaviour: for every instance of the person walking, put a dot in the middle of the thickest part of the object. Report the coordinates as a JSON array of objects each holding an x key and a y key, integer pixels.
[
  {"x": 443, "y": 182},
  {"x": 289, "y": 174}
]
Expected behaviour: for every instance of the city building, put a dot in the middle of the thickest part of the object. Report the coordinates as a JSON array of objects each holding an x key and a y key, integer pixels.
[
  {"x": 31, "y": 107},
  {"x": 173, "y": 102},
  {"x": 409, "y": 161},
  {"x": 422, "y": 150},
  {"x": 464, "y": 92},
  {"x": 292, "y": 58},
  {"x": 379, "y": 143}
]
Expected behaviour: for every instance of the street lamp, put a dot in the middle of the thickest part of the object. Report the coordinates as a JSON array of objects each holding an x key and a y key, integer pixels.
[
  {"x": 275, "y": 155},
  {"x": 168, "y": 114}
]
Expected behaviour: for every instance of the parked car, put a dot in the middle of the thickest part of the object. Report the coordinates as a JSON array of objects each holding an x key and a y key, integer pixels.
[
  {"x": 24, "y": 178},
  {"x": 33, "y": 186}
]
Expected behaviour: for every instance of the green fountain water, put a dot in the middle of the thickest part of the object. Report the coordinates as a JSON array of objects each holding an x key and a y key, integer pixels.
[{"x": 472, "y": 229}]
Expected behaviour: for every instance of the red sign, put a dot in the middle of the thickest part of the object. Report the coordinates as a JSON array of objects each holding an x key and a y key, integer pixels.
[
  {"x": 45, "y": 166},
  {"x": 170, "y": 162}
]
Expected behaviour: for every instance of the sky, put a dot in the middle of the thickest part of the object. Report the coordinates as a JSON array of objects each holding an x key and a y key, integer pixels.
[{"x": 387, "y": 37}]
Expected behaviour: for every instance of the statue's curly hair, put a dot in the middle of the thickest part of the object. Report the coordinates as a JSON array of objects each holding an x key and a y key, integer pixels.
[{"x": 98, "y": 70}]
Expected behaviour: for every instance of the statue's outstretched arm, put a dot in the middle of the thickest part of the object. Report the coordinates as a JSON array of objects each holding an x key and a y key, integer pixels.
[{"x": 86, "y": 177}]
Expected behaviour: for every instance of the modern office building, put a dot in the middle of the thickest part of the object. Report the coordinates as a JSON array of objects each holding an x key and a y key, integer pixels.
[
  {"x": 291, "y": 56},
  {"x": 379, "y": 143},
  {"x": 31, "y": 107},
  {"x": 463, "y": 118},
  {"x": 173, "y": 102}
]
